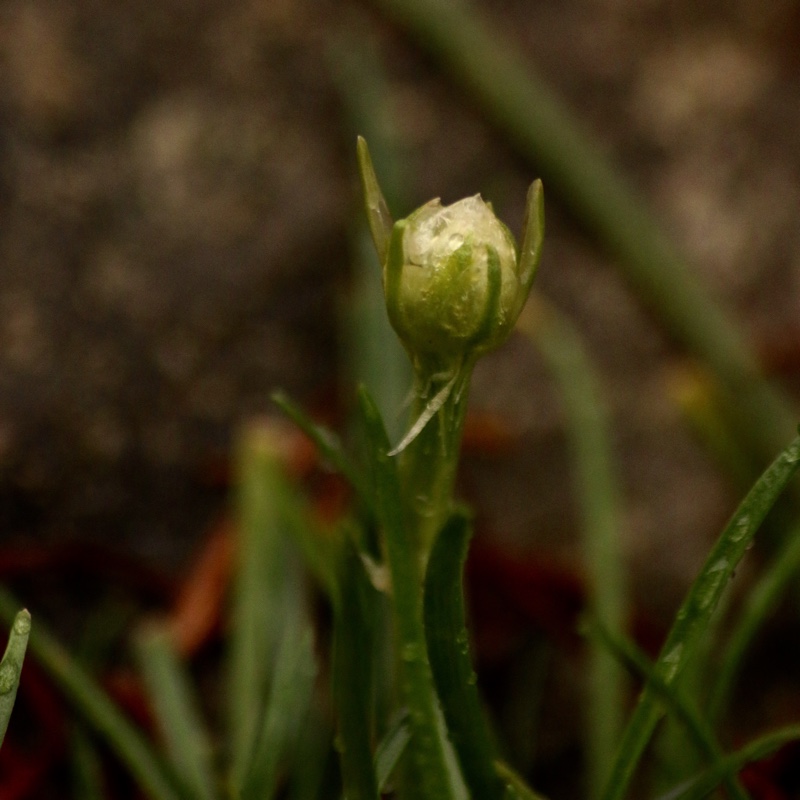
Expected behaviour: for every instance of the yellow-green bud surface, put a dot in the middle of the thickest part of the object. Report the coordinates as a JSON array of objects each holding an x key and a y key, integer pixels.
[{"x": 457, "y": 287}]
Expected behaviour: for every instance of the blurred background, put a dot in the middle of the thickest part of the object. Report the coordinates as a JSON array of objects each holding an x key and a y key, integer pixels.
[{"x": 178, "y": 214}]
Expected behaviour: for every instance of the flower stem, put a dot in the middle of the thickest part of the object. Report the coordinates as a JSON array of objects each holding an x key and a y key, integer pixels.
[{"x": 428, "y": 465}]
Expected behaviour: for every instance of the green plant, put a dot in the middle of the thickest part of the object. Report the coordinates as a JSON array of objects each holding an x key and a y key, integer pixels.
[
  {"x": 407, "y": 716},
  {"x": 11, "y": 667}
]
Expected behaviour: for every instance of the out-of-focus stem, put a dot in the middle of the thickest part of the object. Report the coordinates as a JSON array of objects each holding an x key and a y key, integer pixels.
[{"x": 597, "y": 494}]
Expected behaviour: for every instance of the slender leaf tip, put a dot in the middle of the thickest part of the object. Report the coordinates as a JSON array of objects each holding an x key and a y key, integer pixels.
[
  {"x": 532, "y": 234},
  {"x": 378, "y": 216}
]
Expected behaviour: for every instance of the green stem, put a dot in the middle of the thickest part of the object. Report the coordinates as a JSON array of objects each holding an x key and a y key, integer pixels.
[
  {"x": 427, "y": 747},
  {"x": 429, "y": 464},
  {"x": 597, "y": 492}
]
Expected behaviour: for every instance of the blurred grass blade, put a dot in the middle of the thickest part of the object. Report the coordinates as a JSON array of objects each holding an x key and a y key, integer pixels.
[
  {"x": 426, "y": 748},
  {"x": 353, "y": 641},
  {"x": 327, "y": 443},
  {"x": 11, "y": 667},
  {"x": 760, "y": 601},
  {"x": 87, "y": 770},
  {"x": 266, "y": 584},
  {"x": 700, "y": 732},
  {"x": 391, "y": 749},
  {"x": 312, "y": 757},
  {"x": 287, "y": 708},
  {"x": 498, "y": 78},
  {"x": 98, "y": 710},
  {"x": 178, "y": 717},
  {"x": 695, "y": 613},
  {"x": 705, "y": 783},
  {"x": 448, "y": 649},
  {"x": 597, "y": 492}
]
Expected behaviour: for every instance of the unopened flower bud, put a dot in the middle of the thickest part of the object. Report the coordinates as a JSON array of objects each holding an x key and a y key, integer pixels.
[{"x": 453, "y": 279}]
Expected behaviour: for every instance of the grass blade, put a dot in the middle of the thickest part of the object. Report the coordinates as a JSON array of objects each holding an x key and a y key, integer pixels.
[
  {"x": 266, "y": 586},
  {"x": 699, "y": 731},
  {"x": 287, "y": 707},
  {"x": 87, "y": 770},
  {"x": 327, "y": 443},
  {"x": 596, "y": 488},
  {"x": 448, "y": 648},
  {"x": 179, "y": 720},
  {"x": 761, "y": 600},
  {"x": 353, "y": 639},
  {"x": 11, "y": 667},
  {"x": 132, "y": 749},
  {"x": 694, "y": 615}
]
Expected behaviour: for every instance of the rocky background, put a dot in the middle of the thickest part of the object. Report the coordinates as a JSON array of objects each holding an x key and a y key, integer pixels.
[{"x": 177, "y": 190}]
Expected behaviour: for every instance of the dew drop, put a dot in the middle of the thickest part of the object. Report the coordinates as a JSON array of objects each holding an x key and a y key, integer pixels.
[
  {"x": 410, "y": 652},
  {"x": 22, "y": 624},
  {"x": 672, "y": 661},
  {"x": 8, "y": 677},
  {"x": 740, "y": 529},
  {"x": 792, "y": 455}
]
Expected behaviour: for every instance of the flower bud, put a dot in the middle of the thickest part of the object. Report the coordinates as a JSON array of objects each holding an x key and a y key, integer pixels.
[{"x": 453, "y": 279}]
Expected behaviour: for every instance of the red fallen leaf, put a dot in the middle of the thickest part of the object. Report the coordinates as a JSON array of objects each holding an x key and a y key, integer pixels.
[
  {"x": 486, "y": 432},
  {"x": 197, "y": 610}
]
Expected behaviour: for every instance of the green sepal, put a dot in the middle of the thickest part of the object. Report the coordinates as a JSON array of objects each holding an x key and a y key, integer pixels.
[
  {"x": 532, "y": 237},
  {"x": 378, "y": 216}
]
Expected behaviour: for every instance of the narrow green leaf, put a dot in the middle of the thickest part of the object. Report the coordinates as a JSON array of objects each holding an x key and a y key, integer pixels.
[
  {"x": 266, "y": 585},
  {"x": 760, "y": 601},
  {"x": 11, "y": 667},
  {"x": 327, "y": 443},
  {"x": 133, "y": 750},
  {"x": 378, "y": 216},
  {"x": 87, "y": 770},
  {"x": 695, "y": 614},
  {"x": 353, "y": 639},
  {"x": 179, "y": 719},
  {"x": 597, "y": 493},
  {"x": 312, "y": 758},
  {"x": 287, "y": 707},
  {"x": 448, "y": 647},
  {"x": 700, "y": 732},
  {"x": 426, "y": 747}
]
